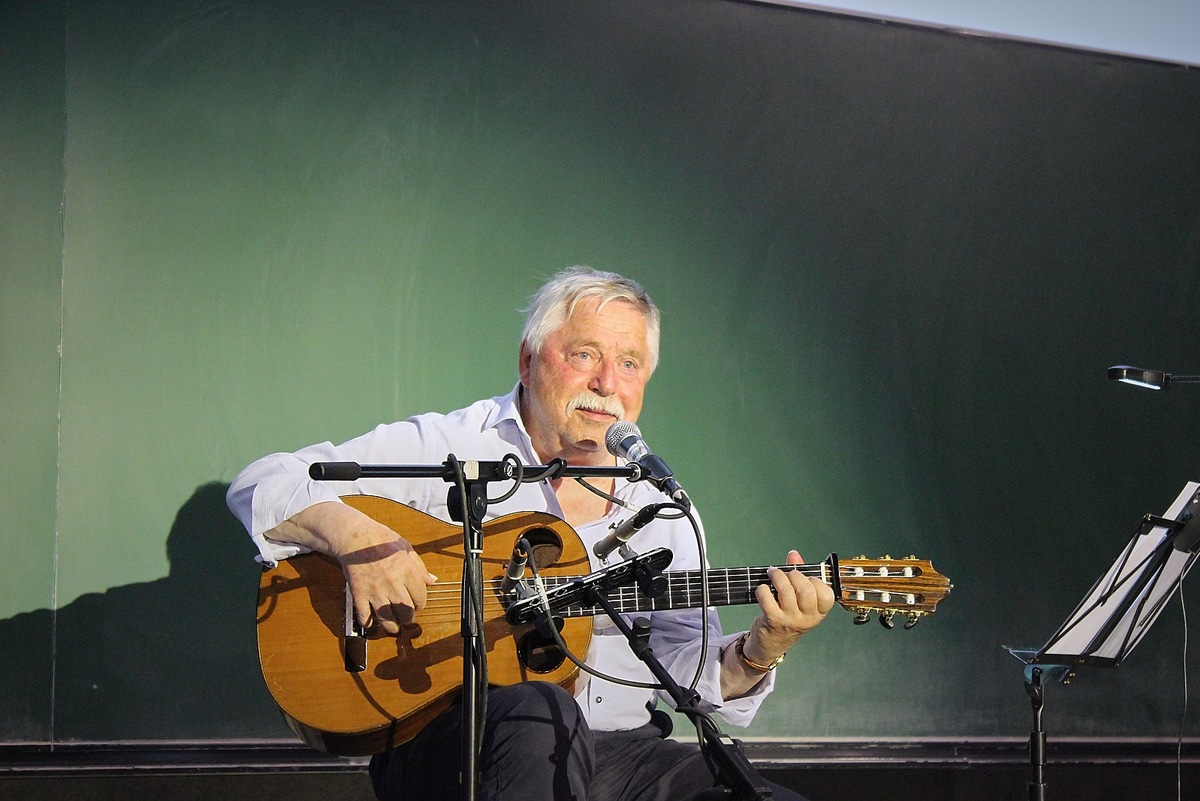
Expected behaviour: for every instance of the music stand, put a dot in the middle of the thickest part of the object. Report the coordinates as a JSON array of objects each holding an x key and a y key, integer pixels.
[{"x": 1117, "y": 612}]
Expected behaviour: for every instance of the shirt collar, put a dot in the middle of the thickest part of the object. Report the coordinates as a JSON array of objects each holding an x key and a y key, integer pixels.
[
  {"x": 505, "y": 418},
  {"x": 507, "y": 409}
]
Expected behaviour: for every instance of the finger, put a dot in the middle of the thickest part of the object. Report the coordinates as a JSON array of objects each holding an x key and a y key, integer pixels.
[
  {"x": 390, "y": 617},
  {"x": 794, "y": 558},
  {"x": 804, "y": 593},
  {"x": 824, "y": 595},
  {"x": 416, "y": 580},
  {"x": 767, "y": 595},
  {"x": 429, "y": 578},
  {"x": 789, "y": 587},
  {"x": 363, "y": 614}
]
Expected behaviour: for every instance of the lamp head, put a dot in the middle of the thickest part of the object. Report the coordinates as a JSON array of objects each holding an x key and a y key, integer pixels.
[{"x": 1150, "y": 379}]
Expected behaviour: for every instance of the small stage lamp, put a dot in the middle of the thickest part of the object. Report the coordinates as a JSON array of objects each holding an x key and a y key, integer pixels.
[{"x": 1150, "y": 379}]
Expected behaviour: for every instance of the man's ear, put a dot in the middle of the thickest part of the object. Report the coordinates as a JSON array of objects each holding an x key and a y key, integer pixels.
[{"x": 524, "y": 364}]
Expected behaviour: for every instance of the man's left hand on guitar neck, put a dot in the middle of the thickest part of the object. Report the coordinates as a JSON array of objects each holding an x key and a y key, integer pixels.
[{"x": 798, "y": 604}]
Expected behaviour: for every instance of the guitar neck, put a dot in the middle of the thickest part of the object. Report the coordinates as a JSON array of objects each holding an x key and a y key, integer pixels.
[{"x": 685, "y": 590}]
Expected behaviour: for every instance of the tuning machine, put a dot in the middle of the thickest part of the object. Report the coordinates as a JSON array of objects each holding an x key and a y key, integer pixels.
[
  {"x": 885, "y": 619},
  {"x": 863, "y": 616}
]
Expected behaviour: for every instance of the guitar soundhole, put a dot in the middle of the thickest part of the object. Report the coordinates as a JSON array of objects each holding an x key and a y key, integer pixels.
[
  {"x": 537, "y": 650},
  {"x": 547, "y": 546},
  {"x": 539, "y": 653}
]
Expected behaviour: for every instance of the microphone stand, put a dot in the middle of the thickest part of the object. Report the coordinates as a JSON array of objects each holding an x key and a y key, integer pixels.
[
  {"x": 469, "y": 511},
  {"x": 467, "y": 502},
  {"x": 730, "y": 766}
]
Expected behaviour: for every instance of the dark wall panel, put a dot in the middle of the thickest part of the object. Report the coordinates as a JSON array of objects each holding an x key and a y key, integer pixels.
[{"x": 894, "y": 264}]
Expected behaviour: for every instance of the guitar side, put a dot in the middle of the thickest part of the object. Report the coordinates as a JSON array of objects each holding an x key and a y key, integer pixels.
[{"x": 414, "y": 677}]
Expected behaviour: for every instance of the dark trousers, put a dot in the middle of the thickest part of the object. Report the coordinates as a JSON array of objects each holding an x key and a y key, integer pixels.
[{"x": 536, "y": 745}]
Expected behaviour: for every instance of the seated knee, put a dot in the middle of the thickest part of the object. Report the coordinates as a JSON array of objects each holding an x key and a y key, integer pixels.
[{"x": 536, "y": 699}]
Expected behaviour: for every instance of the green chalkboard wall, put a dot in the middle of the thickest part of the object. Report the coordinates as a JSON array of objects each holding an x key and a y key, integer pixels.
[{"x": 894, "y": 264}]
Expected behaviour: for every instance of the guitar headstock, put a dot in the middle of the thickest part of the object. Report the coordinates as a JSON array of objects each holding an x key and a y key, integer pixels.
[{"x": 908, "y": 587}]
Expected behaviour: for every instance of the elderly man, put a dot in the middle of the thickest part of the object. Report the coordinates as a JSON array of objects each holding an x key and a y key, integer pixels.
[{"x": 589, "y": 347}]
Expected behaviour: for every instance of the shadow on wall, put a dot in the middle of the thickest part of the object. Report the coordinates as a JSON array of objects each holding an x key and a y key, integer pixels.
[{"x": 174, "y": 658}]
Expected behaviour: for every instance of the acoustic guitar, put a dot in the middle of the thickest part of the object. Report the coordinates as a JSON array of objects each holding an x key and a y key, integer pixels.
[{"x": 350, "y": 695}]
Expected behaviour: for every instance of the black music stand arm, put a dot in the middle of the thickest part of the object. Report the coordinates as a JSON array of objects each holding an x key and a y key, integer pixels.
[{"x": 731, "y": 768}]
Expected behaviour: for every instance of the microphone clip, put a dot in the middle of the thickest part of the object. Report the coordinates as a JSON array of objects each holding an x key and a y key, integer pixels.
[{"x": 619, "y": 535}]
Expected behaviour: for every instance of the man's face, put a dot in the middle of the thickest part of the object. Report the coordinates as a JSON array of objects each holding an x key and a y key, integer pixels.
[{"x": 588, "y": 374}]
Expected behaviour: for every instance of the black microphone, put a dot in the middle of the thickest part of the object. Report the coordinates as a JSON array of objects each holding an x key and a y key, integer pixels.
[
  {"x": 625, "y": 440},
  {"x": 514, "y": 571},
  {"x": 335, "y": 471},
  {"x": 621, "y": 534}
]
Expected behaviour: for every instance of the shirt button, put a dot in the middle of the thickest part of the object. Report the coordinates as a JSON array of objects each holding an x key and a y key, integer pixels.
[{"x": 598, "y": 699}]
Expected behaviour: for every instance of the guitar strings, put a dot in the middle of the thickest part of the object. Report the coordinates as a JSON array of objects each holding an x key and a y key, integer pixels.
[
  {"x": 755, "y": 576},
  {"x": 689, "y": 579},
  {"x": 443, "y": 600}
]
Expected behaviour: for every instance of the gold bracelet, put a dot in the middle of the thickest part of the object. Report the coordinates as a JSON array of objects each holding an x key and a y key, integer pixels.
[{"x": 750, "y": 663}]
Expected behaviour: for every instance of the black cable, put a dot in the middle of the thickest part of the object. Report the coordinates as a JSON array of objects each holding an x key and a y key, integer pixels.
[
  {"x": 1183, "y": 715},
  {"x": 704, "y": 605},
  {"x": 610, "y": 498},
  {"x": 518, "y": 470}
]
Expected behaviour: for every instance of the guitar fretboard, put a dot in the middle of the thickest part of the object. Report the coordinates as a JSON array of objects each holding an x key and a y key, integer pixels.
[{"x": 685, "y": 590}]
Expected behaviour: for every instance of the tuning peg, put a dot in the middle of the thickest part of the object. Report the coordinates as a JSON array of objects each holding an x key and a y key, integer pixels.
[
  {"x": 862, "y": 617},
  {"x": 885, "y": 619},
  {"x": 912, "y": 557},
  {"x": 887, "y": 557},
  {"x": 912, "y": 621},
  {"x": 860, "y": 558}
]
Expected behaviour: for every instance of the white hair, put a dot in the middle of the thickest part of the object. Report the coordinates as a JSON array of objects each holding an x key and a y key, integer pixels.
[{"x": 550, "y": 307}]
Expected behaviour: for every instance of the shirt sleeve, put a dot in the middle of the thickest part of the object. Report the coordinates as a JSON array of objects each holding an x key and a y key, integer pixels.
[
  {"x": 676, "y": 637},
  {"x": 270, "y": 491},
  {"x": 278, "y": 486}
]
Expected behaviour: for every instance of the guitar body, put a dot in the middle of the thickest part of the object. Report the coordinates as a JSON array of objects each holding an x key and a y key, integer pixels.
[{"x": 412, "y": 678}]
